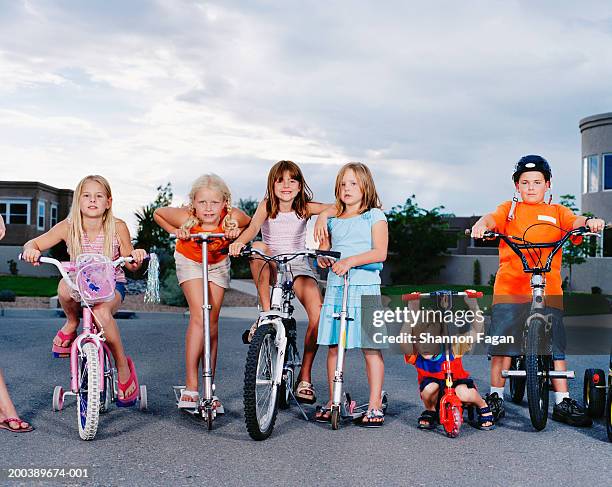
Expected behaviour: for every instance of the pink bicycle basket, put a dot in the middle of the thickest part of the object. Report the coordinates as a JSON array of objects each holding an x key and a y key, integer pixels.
[{"x": 95, "y": 278}]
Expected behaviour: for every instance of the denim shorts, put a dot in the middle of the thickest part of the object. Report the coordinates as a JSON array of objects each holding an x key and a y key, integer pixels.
[
  {"x": 120, "y": 288},
  {"x": 508, "y": 320}
]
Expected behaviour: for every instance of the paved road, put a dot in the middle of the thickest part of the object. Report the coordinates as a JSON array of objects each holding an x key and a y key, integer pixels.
[{"x": 165, "y": 447}]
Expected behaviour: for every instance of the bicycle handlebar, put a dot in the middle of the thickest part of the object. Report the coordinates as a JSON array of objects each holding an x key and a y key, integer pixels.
[
  {"x": 526, "y": 245},
  {"x": 202, "y": 235},
  {"x": 65, "y": 267},
  {"x": 470, "y": 293},
  {"x": 248, "y": 250}
]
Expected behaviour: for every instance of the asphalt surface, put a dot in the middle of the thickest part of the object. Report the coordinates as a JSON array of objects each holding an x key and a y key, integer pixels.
[{"x": 166, "y": 447}]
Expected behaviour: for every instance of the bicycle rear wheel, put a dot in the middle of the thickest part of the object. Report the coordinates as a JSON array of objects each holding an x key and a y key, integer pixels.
[
  {"x": 88, "y": 397},
  {"x": 537, "y": 367},
  {"x": 260, "y": 392},
  {"x": 609, "y": 412}
]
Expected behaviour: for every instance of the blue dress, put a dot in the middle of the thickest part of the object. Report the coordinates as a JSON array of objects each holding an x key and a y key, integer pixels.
[{"x": 350, "y": 236}]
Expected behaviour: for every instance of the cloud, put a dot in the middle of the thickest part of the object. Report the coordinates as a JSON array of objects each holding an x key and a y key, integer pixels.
[{"x": 440, "y": 99}]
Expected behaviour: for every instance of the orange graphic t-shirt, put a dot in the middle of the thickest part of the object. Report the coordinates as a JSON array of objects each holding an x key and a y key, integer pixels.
[
  {"x": 216, "y": 247},
  {"x": 512, "y": 284}
]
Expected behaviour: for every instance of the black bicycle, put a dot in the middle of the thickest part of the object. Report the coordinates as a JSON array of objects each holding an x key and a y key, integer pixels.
[{"x": 533, "y": 370}]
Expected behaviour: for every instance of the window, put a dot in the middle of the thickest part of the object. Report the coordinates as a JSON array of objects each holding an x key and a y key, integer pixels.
[
  {"x": 53, "y": 221},
  {"x": 15, "y": 212},
  {"x": 41, "y": 216},
  {"x": 590, "y": 174},
  {"x": 607, "y": 171}
]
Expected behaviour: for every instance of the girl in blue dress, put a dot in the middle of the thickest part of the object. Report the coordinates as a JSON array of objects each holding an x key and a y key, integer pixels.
[{"x": 357, "y": 228}]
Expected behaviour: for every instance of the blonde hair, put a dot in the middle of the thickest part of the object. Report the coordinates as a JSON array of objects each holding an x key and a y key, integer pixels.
[
  {"x": 214, "y": 182},
  {"x": 364, "y": 177},
  {"x": 304, "y": 196},
  {"x": 75, "y": 220}
]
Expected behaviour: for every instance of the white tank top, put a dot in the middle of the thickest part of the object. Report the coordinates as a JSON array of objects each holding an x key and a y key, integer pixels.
[{"x": 284, "y": 234}]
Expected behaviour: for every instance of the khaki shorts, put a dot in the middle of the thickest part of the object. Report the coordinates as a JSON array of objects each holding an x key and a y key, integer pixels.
[
  {"x": 300, "y": 266},
  {"x": 187, "y": 269}
]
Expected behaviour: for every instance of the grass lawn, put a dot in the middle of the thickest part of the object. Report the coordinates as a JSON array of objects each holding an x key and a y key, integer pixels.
[
  {"x": 30, "y": 286},
  {"x": 575, "y": 304}
]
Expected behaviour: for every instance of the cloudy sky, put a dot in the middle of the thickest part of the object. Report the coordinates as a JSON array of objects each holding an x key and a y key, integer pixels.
[{"x": 439, "y": 98}]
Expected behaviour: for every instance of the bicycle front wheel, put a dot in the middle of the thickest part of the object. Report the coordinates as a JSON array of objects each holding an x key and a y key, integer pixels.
[
  {"x": 260, "y": 392},
  {"x": 537, "y": 367},
  {"x": 88, "y": 397}
]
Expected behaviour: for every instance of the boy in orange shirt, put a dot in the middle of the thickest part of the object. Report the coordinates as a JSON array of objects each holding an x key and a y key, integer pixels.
[{"x": 536, "y": 221}]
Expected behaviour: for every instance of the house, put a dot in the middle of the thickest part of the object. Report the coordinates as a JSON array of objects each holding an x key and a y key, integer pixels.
[{"x": 29, "y": 209}]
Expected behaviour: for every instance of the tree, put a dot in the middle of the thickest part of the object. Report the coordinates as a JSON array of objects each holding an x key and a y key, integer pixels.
[
  {"x": 149, "y": 235},
  {"x": 416, "y": 237},
  {"x": 248, "y": 205},
  {"x": 572, "y": 254}
]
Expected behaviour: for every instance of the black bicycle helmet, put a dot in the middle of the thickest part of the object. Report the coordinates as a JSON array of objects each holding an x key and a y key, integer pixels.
[{"x": 532, "y": 163}]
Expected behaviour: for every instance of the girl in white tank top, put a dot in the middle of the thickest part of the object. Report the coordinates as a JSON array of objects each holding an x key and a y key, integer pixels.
[{"x": 282, "y": 218}]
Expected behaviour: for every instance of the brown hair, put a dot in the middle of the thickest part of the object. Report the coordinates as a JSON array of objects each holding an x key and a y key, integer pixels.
[
  {"x": 363, "y": 175},
  {"x": 304, "y": 196},
  {"x": 75, "y": 220},
  {"x": 214, "y": 182}
]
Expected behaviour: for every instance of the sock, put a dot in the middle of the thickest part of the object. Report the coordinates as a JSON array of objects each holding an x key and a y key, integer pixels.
[
  {"x": 499, "y": 390},
  {"x": 559, "y": 396}
]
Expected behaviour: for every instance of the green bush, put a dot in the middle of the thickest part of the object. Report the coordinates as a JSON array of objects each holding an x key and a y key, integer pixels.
[
  {"x": 7, "y": 295},
  {"x": 170, "y": 291}
]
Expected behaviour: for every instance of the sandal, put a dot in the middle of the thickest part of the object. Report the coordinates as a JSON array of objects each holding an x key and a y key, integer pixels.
[
  {"x": 323, "y": 414},
  {"x": 189, "y": 404},
  {"x": 485, "y": 416},
  {"x": 304, "y": 392},
  {"x": 6, "y": 425},
  {"x": 428, "y": 420},
  {"x": 375, "y": 418},
  {"x": 63, "y": 352},
  {"x": 133, "y": 380}
]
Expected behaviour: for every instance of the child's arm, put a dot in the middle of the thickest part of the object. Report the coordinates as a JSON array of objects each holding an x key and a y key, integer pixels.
[
  {"x": 242, "y": 221},
  {"x": 251, "y": 231},
  {"x": 315, "y": 208},
  {"x": 380, "y": 241},
  {"x": 171, "y": 220},
  {"x": 2, "y": 228},
  {"x": 33, "y": 248},
  {"x": 411, "y": 350},
  {"x": 126, "y": 249},
  {"x": 485, "y": 223},
  {"x": 323, "y": 261},
  {"x": 595, "y": 224},
  {"x": 477, "y": 326},
  {"x": 320, "y": 229}
]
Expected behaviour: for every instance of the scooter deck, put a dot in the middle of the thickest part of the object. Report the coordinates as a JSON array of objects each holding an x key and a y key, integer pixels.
[{"x": 178, "y": 390}]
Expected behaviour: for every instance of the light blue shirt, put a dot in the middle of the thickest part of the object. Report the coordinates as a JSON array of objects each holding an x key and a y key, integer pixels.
[{"x": 353, "y": 236}]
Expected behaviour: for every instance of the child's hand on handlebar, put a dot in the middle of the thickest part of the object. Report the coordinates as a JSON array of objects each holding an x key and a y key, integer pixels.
[
  {"x": 235, "y": 248},
  {"x": 596, "y": 225},
  {"x": 138, "y": 255},
  {"x": 31, "y": 255},
  {"x": 342, "y": 266},
  {"x": 479, "y": 229},
  {"x": 182, "y": 234},
  {"x": 324, "y": 262}
]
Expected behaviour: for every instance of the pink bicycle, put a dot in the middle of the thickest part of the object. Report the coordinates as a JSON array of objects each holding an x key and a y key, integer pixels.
[{"x": 93, "y": 380}]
